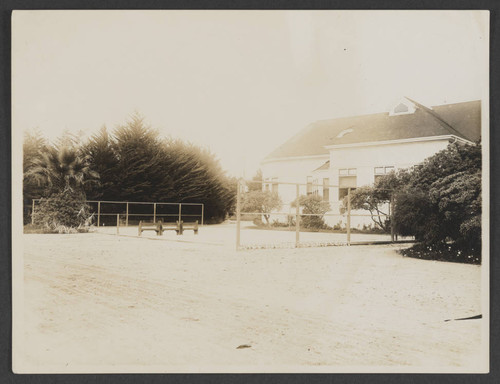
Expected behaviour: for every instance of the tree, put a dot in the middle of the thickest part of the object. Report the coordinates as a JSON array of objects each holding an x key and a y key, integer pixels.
[
  {"x": 313, "y": 205},
  {"x": 261, "y": 202},
  {"x": 61, "y": 169},
  {"x": 62, "y": 173},
  {"x": 102, "y": 157},
  {"x": 375, "y": 199},
  {"x": 136, "y": 164},
  {"x": 257, "y": 185},
  {"x": 439, "y": 200},
  {"x": 442, "y": 195},
  {"x": 34, "y": 145}
]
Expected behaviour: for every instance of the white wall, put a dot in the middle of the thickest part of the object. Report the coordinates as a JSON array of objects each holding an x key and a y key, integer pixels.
[
  {"x": 363, "y": 158},
  {"x": 291, "y": 171}
]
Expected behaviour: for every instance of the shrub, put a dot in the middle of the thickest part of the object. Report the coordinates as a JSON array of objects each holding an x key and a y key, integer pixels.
[
  {"x": 261, "y": 201},
  {"x": 64, "y": 212},
  {"x": 313, "y": 205},
  {"x": 439, "y": 202}
]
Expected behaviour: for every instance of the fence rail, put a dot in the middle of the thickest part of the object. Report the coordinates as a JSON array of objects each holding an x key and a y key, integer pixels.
[
  {"x": 128, "y": 209},
  {"x": 297, "y": 215}
]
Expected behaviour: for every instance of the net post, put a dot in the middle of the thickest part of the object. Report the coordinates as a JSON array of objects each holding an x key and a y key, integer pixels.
[
  {"x": 117, "y": 223},
  {"x": 391, "y": 217},
  {"x": 154, "y": 212},
  {"x": 238, "y": 214},
  {"x": 126, "y": 217},
  {"x": 202, "y": 212},
  {"x": 98, "y": 214},
  {"x": 297, "y": 217},
  {"x": 32, "y": 212},
  {"x": 349, "y": 216},
  {"x": 180, "y": 212}
]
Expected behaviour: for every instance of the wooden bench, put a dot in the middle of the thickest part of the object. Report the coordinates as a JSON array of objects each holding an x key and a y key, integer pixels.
[
  {"x": 159, "y": 227},
  {"x": 172, "y": 226},
  {"x": 189, "y": 226}
]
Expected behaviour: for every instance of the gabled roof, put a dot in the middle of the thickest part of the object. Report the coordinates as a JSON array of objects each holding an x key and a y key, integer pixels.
[{"x": 460, "y": 119}]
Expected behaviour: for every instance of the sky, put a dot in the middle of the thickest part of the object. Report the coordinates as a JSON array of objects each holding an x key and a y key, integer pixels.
[{"x": 237, "y": 82}]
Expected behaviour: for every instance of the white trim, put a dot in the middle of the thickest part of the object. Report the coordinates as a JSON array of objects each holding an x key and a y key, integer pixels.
[
  {"x": 321, "y": 171},
  {"x": 326, "y": 156},
  {"x": 400, "y": 141}
]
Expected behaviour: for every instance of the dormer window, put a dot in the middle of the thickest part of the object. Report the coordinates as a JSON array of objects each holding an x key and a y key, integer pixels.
[
  {"x": 404, "y": 107},
  {"x": 401, "y": 108},
  {"x": 344, "y": 132}
]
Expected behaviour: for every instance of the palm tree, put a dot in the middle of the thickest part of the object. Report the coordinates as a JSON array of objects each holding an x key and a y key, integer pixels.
[{"x": 61, "y": 169}]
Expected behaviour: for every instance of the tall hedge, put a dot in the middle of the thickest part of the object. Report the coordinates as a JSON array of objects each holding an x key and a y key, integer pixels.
[
  {"x": 136, "y": 164},
  {"x": 439, "y": 200}
]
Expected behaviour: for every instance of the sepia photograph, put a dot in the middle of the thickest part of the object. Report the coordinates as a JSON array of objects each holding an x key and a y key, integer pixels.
[{"x": 254, "y": 191}]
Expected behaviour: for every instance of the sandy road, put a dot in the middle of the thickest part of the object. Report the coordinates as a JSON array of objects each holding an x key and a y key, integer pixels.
[{"x": 95, "y": 302}]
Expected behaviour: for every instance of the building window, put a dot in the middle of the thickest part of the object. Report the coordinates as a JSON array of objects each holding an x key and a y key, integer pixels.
[
  {"x": 309, "y": 185},
  {"x": 274, "y": 185},
  {"x": 326, "y": 189},
  {"x": 347, "y": 172},
  {"x": 344, "y": 132},
  {"x": 347, "y": 179},
  {"x": 401, "y": 108},
  {"x": 381, "y": 171}
]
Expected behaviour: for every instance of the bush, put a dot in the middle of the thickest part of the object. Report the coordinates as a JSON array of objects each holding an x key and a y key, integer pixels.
[
  {"x": 63, "y": 212},
  {"x": 374, "y": 199},
  {"x": 261, "y": 201},
  {"x": 439, "y": 201},
  {"x": 443, "y": 252},
  {"x": 313, "y": 205}
]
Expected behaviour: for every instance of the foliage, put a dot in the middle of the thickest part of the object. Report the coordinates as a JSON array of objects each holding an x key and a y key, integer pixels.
[
  {"x": 101, "y": 153},
  {"x": 374, "y": 200},
  {"x": 63, "y": 212},
  {"x": 441, "y": 199},
  {"x": 135, "y": 164},
  {"x": 438, "y": 201},
  {"x": 450, "y": 252},
  {"x": 262, "y": 202},
  {"x": 51, "y": 171},
  {"x": 257, "y": 186},
  {"x": 312, "y": 205},
  {"x": 34, "y": 146},
  {"x": 59, "y": 169}
]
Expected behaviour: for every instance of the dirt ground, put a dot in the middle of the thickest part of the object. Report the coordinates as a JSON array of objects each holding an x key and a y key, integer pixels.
[{"x": 105, "y": 303}]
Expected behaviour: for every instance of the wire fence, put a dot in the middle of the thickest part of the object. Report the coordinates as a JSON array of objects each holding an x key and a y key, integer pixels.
[
  {"x": 130, "y": 213},
  {"x": 306, "y": 214}
]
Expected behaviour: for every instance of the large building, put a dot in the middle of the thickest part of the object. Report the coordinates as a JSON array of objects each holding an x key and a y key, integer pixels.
[{"x": 353, "y": 151}]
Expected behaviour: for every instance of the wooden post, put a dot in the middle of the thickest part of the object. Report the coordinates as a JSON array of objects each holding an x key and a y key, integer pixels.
[
  {"x": 32, "y": 211},
  {"x": 126, "y": 217},
  {"x": 391, "y": 210},
  {"x": 117, "y": 223},
  {"x": 238, "y": 214},
  {"x": 348, "y": 216},
  {"x": 180, "y": 210},
  {"x": 98, "y": 213},
  {"x": 202, "y": 213},
  {"x": 154, "y": 212},
  {"x": 297, "y": 217}
]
